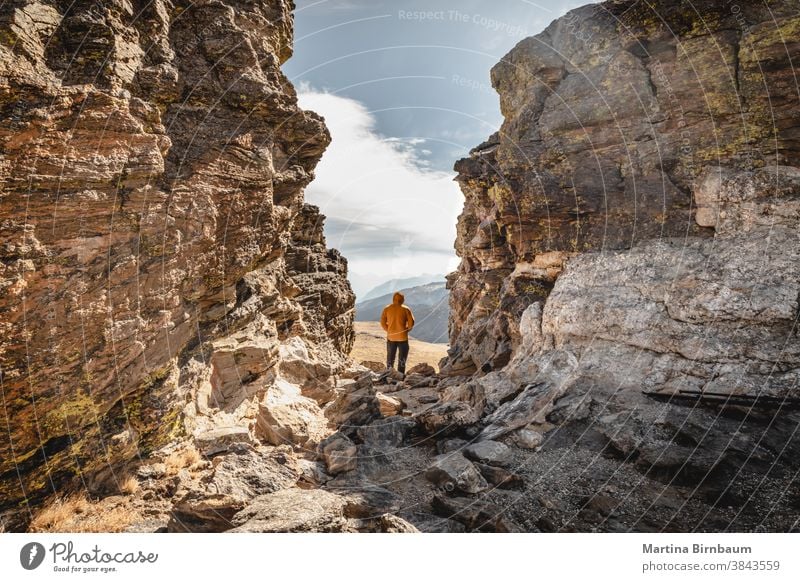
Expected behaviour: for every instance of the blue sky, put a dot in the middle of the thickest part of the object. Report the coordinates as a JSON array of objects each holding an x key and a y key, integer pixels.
[{"x": 405, "y": 89}]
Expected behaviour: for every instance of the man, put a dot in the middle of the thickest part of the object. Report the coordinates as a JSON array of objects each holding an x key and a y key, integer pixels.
[{"x": 397, "y": 320}]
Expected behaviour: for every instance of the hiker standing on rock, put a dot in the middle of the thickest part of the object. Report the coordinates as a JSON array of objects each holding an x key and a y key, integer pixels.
[{"x": 397, "y": 320}]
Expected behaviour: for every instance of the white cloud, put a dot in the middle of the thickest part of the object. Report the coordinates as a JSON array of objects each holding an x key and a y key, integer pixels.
[{"x": 389, "y": 215}]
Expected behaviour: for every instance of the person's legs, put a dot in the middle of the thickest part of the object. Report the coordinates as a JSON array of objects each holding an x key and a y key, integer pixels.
[
  {"x": 401, "y": 363},
  {"x": 391, "y": 350}
]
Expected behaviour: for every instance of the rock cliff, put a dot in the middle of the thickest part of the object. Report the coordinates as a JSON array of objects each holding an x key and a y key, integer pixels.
[
  {"x": 161, "y": 275},
  {"x": 614, "y": 117},
  {"x": 629, "y": 290}
]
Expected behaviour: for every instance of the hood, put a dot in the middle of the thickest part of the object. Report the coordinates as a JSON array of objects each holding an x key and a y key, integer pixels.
[{"x": 398, "y": 298}]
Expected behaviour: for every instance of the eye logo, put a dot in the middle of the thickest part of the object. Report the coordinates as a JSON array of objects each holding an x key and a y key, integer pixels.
[{"x": 31, "y": 555}]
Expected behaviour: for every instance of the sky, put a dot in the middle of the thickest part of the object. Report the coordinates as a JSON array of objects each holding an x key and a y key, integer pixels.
[{"x": 405, "y": 91}]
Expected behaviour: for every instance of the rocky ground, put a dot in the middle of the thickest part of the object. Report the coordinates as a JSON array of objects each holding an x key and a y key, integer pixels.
[{"x": 391, "y": 470}]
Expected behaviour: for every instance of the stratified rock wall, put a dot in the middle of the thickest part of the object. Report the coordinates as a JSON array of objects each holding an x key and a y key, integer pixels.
[
  {"x": 613, "y": 117},
  {"x": 630, "y": 254},
  {"x": 157, "y": 260}
]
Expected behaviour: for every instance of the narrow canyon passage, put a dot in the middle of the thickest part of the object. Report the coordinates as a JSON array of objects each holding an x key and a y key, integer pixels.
[{"x": 180, "y": 346}]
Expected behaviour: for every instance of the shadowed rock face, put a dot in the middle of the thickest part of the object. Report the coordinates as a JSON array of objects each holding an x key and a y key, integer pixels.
[
  {"x": 157, "y": 260},
  {"x": 612, "y": 116}
]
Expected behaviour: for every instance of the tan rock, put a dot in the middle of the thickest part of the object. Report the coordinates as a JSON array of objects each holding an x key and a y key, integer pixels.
[
  {"x": 287, "y": 417},
  {"x": 128, "y": 239},
  {"x": 339, "y": 453},
  {"x": 390, "y": 405}
]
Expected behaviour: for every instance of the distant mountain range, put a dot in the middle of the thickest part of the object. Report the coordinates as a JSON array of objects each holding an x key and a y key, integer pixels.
[
  {"x": 390, "y": 287},
  {"x": 429, "y": 303}
]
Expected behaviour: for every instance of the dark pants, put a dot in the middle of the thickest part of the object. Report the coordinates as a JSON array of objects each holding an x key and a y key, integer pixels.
[{"x": 393, "y": 348}]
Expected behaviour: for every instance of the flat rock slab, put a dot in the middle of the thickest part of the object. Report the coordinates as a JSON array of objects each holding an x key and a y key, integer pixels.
[
  {"x": 293, "y": 510},
  {"x": 247, "y": 475},
  {"x": 219, "y": 440},
  {"x": 489, "y": 453}
]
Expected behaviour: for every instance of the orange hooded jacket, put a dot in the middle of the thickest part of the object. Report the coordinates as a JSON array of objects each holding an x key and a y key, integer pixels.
[{"x": 397, "y": 319}]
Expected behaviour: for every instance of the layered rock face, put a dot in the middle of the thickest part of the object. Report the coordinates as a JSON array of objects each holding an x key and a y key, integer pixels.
[
  {"x": 614, "y": 117},
  {"x": 161, "y": 275},
  {"x": 630, "y": 262}
]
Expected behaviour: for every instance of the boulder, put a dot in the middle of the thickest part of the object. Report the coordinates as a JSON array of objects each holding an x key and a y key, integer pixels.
[
  {"x": 293, "y": 510},
  {"x": 461, "y": 405},
  {"x": 475, "y": 514},
  {"x": 299, "y": 366},
  {"x": 387, "y": 433},
  {"x": 312, "y": 474},
  {"x": 448, "y": 417},
  {"x": 339, "y": 453},
  {"x": 355, "y": 405},
  {"x": 253, "y": 473},
  {"x": 444, "y": 446},
  {"x": 530, "y": 406},
  {"x": 369, "y": 501},
  {"x": 500, "y": 477},
  {"x": 200, "y": 512},
  {"x": 373, "y": 366},
  {"x": 390, "y": 405},
  {"x": 423, "y": 369},
  {"x": 526, "y": 438},
  {"x": 452, "y": 471},
  {"x": 488, "y": 453},
  {"x": 389, "y": 523},
  {"x": 285, "y": 416}
]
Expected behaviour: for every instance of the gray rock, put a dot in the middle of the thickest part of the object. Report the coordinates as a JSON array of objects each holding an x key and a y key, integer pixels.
[
  {"x": 475, "y": 514},
  {"x": 293, "y": 510},
  {"x": 528, "y": 407},
  {"x": 489, "y": 453},
  {"x": 219, "y": 440},
  {"x": 450, "y": 445},
  {"x": 500, "y": 477},
  {"x": 369, "y": 501},
  {"x": 387, "y": 433},
  {"x": 312, "y": 474},
  {"x": 244, "y": 476},
  {"x": 453, "y": 472},
  {"x": 526, "y": 438},
  {"x": 355, "y": 405},
  {"x": 460, "y": 406}
]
